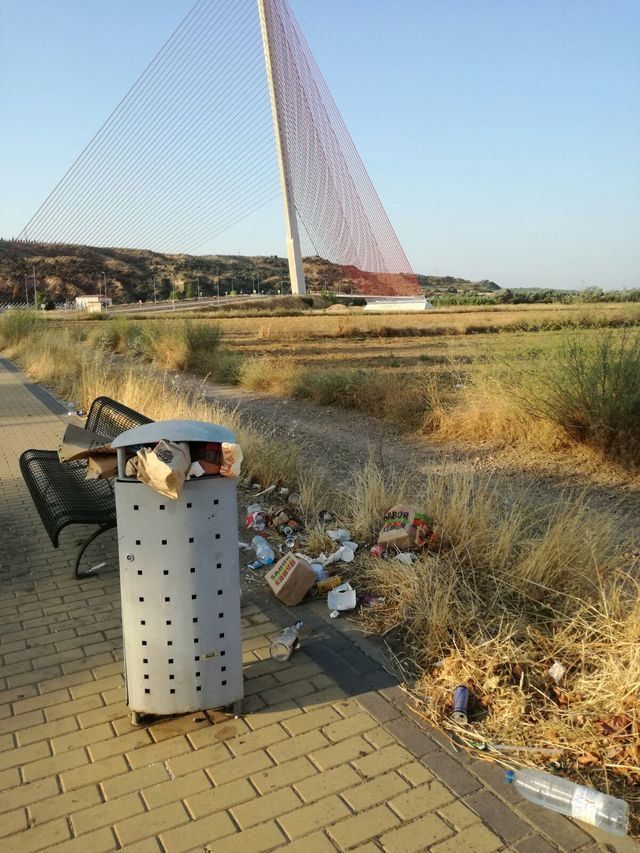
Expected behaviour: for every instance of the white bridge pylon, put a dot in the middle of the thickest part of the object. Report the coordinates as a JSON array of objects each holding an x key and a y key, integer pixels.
[{"x": 294, "y": 253}]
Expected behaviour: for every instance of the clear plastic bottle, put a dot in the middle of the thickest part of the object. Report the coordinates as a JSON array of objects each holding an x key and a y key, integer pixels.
[
  {"x": 264, "y": 551},
  {"x": 283, "y": 646},
  {"x": 575, "y": 801}
]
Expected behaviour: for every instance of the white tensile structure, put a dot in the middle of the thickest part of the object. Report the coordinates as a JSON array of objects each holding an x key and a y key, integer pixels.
[{"x": 388, "y": 304}]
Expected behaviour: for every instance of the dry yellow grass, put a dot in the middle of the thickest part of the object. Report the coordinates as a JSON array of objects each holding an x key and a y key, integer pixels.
[{"x": 515, "y": 587}]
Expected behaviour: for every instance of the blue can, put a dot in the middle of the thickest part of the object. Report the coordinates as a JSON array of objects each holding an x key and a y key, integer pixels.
[{"x": 460, "y": 703}]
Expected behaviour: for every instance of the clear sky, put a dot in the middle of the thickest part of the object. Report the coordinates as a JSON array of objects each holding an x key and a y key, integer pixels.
[{"x": 503, "y": 136}]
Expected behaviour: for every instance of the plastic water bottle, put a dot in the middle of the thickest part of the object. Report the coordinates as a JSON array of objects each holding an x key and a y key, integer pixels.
[
  {"x": 575, "y": 801},
  {"x": 283, "y": 646},
  {"x": 264, "y": 551}
]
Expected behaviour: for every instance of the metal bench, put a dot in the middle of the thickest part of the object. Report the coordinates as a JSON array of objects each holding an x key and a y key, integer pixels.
[{"x": 60, "y": 491}]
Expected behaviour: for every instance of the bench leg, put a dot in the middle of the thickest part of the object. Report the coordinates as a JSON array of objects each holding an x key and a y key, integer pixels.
[{"x": 102, "y": 529}]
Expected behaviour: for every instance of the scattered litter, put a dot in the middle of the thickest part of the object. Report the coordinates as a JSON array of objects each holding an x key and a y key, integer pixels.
[
  {"x": 378, "y": 551},
  {"x": 284, "y": 492},
  {"x": 286, "y": 643},
  {"x": 573, "y": 800},
  {"x": 372, "y": 601},
  {"x": 291, "y": 579},
  {"x": 325, "y": 516},
  {"x": 342, "y": 598},
  {"x": 327, "y": 584},
  {"x": 340, "y": 535},
  {"x": 320, "y": 572},
  {"x": 264, "y": 552},
  {"x": 405, "y": 527},
  {"x": 95, "y": 568},
  {"x": 557, "y": 671},
  {"x": 334, "y": 614},
  {"x": 256, "y": 518},
  {"x": 243, "y": 546},
  {"x": 460, "y": 703},
  {"x": 266, "y": 491},
  {"x": 406, "y": 557},
  {"x": 256, "y": 487},
  {"x": 294, "y": 499},
  {"x": 345, "y": 554}
]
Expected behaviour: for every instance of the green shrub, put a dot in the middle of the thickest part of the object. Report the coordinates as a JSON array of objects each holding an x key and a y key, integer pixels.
[
  {"x": 592, "y": 390},
  {"x": 16, "y": 325}
]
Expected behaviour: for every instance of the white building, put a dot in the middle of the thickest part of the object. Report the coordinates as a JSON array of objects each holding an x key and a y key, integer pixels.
[{"x": 93, "y": 304}]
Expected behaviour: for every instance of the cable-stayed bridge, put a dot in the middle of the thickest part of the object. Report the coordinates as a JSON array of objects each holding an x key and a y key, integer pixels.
[{"x": 232, "y": 111}]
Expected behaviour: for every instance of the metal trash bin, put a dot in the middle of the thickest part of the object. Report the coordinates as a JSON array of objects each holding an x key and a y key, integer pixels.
[{"x": 180, "y": 583}]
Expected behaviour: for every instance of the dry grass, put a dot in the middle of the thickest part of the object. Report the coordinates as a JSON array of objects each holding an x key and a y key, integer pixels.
[
  {"x": 66, "y": 364},
  {"x": 516, "y": 587}
]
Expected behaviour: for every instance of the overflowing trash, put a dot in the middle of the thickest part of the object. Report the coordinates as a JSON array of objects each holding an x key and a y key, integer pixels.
[{"x": 164, "y": 466}]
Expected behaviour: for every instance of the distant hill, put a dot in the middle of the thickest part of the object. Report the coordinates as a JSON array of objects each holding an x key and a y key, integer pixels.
[{"x": 64, "y": 272}]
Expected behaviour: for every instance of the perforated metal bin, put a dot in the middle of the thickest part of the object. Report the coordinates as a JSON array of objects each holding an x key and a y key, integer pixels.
[{"x": 180, "y": 584}]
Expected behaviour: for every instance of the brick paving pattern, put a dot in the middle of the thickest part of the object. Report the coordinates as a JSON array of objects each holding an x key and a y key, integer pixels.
[{"x": 325, "y": 757}]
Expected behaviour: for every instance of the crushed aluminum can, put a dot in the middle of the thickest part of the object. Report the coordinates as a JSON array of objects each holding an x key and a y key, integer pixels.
[
  {"x": 325, "y": 585},
  {"x": 460, "y": 703}
]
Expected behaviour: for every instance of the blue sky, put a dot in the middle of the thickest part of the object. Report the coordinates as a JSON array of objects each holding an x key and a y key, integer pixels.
[{"x": 503, "y": 136}]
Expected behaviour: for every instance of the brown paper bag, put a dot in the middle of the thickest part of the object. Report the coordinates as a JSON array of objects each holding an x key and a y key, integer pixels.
[
  {"x": 102, "y": 467},
  {"x": 165, "y": 467}
]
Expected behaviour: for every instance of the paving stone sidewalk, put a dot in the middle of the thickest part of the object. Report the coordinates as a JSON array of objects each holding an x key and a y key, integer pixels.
[{"x": 325, "y": 758}]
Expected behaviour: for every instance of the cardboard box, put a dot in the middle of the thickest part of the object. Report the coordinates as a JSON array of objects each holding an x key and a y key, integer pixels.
[
  {"x": 102, "y": 467},
  {"x": 80, "y": 443},
  {"x": 291, "y": 579},
  {"x": 404, "y": 527}
]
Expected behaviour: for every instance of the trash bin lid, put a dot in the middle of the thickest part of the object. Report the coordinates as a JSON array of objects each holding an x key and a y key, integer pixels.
[{"x": 173, "y": 431}]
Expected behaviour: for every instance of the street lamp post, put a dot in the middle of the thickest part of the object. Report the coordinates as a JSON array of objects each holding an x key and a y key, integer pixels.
[
  {"x": 35, "y": 293},
  {"x": 26, "y": 289}
]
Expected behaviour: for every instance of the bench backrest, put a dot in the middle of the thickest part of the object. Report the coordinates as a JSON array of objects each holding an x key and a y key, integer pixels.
[{"x": 109, "y": 418}]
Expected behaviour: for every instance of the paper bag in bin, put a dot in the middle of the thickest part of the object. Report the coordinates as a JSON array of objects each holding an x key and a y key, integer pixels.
[{"x": 164, "y": 467}]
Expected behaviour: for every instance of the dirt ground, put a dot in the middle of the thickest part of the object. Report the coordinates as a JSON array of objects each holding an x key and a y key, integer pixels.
[{"x": 346, "y": 439}]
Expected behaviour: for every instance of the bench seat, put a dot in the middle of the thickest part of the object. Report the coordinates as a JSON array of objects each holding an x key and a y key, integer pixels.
[{"x": 60, "y": 491}]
